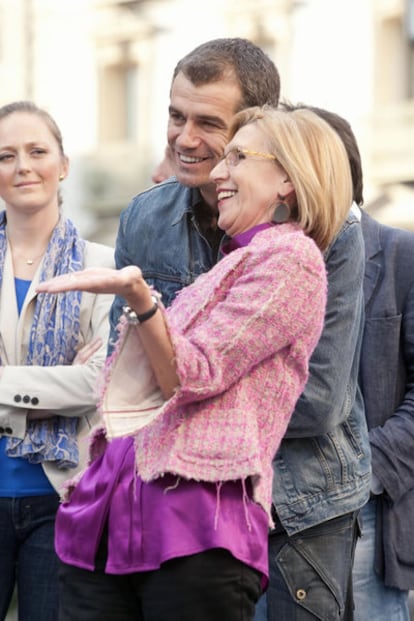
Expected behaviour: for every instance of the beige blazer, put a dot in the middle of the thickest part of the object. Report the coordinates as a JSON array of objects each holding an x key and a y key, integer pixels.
[{"x": 40, "y": 392}]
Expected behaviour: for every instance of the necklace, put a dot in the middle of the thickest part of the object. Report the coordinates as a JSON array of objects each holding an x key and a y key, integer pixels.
[
  {"x": 27, "y": 260},
  {"x": 31, "y": 261}
]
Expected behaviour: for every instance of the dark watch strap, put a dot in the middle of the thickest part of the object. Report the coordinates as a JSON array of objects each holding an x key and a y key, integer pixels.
[{"x": 134, "y": 318}]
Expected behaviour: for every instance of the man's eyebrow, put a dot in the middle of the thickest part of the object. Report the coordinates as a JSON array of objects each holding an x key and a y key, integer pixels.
[
  {"x": 203, "y": 118},
  {"x": 214, "y": 120}
]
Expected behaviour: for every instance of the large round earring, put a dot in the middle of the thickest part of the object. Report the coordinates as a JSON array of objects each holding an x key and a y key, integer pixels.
[{"x": 281, "y": 213}]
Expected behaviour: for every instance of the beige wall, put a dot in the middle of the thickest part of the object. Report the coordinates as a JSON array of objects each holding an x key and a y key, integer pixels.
[{"x": 103, "y": 69}]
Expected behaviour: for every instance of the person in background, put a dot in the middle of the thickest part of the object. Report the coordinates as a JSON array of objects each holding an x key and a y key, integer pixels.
[
  {"x": 384, "y": 557},
  {"x": 322, "y": 471},
  {"x": 51, "y": 350},
  {"x": 231, "y": 356},
  {"x": 165, "y": 169},
  {"x": 384, "y": 563}
]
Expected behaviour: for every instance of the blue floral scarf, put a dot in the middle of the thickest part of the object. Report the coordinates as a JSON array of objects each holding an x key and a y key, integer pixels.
[{"x": 53, "y": 341}]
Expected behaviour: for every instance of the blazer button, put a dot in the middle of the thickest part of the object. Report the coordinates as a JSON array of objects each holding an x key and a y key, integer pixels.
[
  {"x": 26, "y": 399},
  {"x": 9, "y": 430},
  {"x": 17, "y": 398},
  {"x": 300, "y": 594},
  {"x": 35, "y": 401}
]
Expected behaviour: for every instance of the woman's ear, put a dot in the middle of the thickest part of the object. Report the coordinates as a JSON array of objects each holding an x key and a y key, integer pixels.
[
  {"x": 288, "y": 187},
  {"x": 65, "y": 166}
]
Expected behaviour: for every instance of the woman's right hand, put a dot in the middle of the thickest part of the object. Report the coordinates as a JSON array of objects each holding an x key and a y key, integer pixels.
[{"x": 127, "y": 282}]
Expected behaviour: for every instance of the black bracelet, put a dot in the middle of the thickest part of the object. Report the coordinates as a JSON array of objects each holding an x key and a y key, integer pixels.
[{"x": 135, "y": 319}]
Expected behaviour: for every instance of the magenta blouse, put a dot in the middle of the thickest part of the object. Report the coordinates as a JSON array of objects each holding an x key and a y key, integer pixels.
[
  {"x": 149, "y": 523},
  {"x": 170, "y": 517}
]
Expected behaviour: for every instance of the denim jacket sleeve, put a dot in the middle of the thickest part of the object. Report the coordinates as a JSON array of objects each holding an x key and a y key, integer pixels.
[{"x": 330, "y": 391}]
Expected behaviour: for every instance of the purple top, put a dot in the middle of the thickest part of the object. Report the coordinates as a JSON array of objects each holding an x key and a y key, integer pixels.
[
  {"x": 244, "y": 239},
  {"x": 149, "y": 523}
]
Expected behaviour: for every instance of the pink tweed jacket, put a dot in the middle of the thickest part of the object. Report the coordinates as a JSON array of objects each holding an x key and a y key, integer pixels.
[{"x": 243, "y": 334}]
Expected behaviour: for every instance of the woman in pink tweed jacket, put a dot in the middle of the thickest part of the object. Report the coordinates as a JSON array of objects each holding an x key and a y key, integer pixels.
[{"x": 183, "y": 494}]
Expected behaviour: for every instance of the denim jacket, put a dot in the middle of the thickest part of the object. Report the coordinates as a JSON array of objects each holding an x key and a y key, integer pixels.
[
  {"x": 322, "y": 469},
  {"x": 159, "y": 233}
]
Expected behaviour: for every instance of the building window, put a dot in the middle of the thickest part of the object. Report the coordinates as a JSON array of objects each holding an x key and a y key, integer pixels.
[{"x": 118, "y": 86}]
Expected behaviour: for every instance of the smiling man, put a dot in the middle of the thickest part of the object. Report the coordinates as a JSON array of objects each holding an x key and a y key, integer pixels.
[{"x": 170, "y": 230}]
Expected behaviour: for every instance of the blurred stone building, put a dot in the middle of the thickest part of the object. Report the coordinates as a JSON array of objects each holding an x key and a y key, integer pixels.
[{"x": 103, "y": 69}]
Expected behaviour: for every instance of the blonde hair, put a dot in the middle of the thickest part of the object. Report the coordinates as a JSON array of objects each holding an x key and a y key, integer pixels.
[{"x": 315, "y": 160}]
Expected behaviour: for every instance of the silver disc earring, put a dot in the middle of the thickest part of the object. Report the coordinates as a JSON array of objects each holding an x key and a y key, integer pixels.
[{"x": 281, "y": 213}]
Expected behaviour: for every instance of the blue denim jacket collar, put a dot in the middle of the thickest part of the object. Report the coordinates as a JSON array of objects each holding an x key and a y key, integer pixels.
[{"x": 184, "y": 209}]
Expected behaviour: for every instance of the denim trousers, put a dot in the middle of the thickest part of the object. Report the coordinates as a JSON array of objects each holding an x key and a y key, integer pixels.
[
  {"x": 311, "y": 573},
  {"x": 209, "y": 586},
  {"x": 374, "y": 600},
  {"x": 27, "y": 556}
]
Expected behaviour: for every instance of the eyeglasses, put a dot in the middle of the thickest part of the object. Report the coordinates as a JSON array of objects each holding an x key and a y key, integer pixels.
[{"x": 236, "y": 155}]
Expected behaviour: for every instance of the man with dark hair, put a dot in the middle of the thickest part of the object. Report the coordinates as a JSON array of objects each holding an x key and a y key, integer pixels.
[{"x": 170, "y": 230}]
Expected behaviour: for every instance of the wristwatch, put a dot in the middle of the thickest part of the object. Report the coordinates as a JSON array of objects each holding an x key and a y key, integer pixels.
[{"x": 135, "y": 319}]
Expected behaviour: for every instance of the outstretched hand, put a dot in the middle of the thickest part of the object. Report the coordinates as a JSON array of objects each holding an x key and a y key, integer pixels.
[
  {"x": 95, "y": 280},
  {"x": 128, "y": 283}
]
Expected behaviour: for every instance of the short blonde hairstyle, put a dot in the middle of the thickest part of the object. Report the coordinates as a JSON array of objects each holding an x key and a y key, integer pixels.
[{"x": 315, "y": 160}]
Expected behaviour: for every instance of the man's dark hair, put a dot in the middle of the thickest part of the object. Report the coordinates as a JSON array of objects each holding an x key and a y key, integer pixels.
[
  {"x": 255, "y": 73},
  {"x": 344, "y": 131}
]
